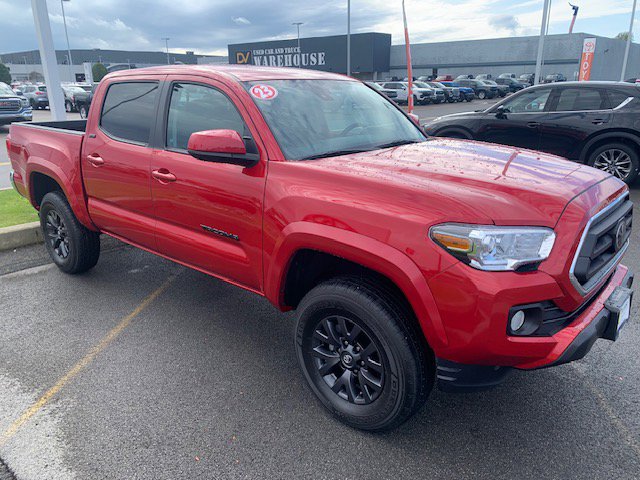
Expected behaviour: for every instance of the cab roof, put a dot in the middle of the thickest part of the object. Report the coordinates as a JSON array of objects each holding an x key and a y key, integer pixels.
[{"x": 241, "y": 73}]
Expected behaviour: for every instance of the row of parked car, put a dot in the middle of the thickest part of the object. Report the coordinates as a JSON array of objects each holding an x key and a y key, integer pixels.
[
  {"x": 425, "y": 92},
  {"x": 77, "y": 96}
]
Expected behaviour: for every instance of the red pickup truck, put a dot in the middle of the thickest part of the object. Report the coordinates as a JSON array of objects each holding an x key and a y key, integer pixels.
[{"x": 411, "y": 261}]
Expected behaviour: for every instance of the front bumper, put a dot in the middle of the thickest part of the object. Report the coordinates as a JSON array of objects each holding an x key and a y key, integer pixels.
[
  {"x": 24, "y": 115},
  {"x": 599, "y": 320}
]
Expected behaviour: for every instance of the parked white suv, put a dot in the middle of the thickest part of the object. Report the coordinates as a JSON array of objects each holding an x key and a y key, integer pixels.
[{"x": 420, "y": 95}]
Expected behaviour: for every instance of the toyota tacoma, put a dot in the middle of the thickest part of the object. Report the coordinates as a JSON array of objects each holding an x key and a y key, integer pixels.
[{"x": 410, "y": 261}]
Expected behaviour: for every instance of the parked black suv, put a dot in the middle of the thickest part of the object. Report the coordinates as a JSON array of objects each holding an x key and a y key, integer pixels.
[
  {"x": 512, "y": 83},
  {"x": 481, "y": 89},
  {"x": 588, "y": 122}
]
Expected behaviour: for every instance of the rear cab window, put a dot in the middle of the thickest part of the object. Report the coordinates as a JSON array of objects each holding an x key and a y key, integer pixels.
[{"x": 129, "y": 111}]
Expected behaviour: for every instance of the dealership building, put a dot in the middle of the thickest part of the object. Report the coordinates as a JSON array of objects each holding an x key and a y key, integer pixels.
[{"x": 373, "y": 57}]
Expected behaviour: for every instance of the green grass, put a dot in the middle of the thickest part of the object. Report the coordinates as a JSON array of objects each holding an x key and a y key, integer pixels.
[{"x": 15, "y": 209}]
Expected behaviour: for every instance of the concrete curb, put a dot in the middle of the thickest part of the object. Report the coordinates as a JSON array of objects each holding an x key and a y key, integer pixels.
[{"x": 20, "y": 235}]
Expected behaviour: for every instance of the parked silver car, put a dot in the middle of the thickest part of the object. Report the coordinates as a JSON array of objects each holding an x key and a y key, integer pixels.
[{"x": 37, "y": 96}]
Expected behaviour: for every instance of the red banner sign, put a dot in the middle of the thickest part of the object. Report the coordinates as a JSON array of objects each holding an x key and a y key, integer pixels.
[{"x": 588, "y": 52}]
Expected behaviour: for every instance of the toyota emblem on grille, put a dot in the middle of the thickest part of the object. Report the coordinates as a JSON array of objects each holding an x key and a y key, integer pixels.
[{"x": 621, "y": 234}]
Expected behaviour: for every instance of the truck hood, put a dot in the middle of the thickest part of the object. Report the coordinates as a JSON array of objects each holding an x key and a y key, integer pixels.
[{"x": 507, "y": 185}]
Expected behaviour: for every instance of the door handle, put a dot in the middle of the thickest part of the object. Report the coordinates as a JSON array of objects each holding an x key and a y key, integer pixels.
[
  {"x": 598, "y": 121},
  {"x": 163, "y": 175},
  {"x": 95, "y": 160},
  {"x": 533, "y": 124}
]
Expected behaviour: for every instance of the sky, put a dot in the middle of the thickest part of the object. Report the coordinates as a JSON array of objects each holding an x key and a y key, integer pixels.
[{"x": 208, "y": 26}]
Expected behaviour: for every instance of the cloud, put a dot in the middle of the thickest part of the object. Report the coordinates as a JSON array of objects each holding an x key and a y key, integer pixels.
[
  {"x": 504, "y": 22},
  {"x": 206, "y": 26},
  {"x": 240, "y": 21}
]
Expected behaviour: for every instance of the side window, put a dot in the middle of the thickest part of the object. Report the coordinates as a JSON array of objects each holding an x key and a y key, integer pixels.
[
  {"x": 194, "y": 108},
  {"x": 530, "y": 102},
  {"x": 580, "y": 99},
  {"x": 129, "y": 111}
]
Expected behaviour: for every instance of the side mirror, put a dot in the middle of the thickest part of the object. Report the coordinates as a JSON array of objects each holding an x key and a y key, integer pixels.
[
  {"x": 414, "y": 118},
  {"x": 501, "y": 112},
  {"x": 221, "y": 146}
]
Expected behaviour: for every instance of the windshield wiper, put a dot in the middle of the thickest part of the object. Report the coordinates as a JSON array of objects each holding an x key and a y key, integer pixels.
[
  {"x": 397, "y": 143},
  {"x": 336, "y": 153}
]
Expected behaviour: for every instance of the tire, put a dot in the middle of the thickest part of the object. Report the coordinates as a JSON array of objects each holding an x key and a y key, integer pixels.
[
  {"x": 83, "y": 111},
  {"x": 618, "y": 159},
  {"x": 71, "y": 246},
  {"x": 68, "y": 107},
  {"x": 32, "y": 103},
  {"x": 391, "y": 383},
  {"x": 481, "y": 94}
]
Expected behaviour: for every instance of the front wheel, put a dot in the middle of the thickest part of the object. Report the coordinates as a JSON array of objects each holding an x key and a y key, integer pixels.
[
  {"x": 71, "y": 246},
  {"x": 360, "y": 354},
  {"x": 482, "y": 95},
  {"x": 68, "y": 107},
  {"x": 618, "y": 159},
  {"x": 83, "y": 111}
]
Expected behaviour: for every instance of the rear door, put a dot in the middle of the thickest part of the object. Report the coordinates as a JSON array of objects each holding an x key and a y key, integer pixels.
[
  {"x": 575, "y": 113},
  {"x": 209, "y": 214},
  {"x": 116, "y": 159},
  {"x": 520, "y": 124}
]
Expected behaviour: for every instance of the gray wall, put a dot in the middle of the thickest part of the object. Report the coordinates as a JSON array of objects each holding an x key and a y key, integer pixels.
[{"x": 516, "y": 55}]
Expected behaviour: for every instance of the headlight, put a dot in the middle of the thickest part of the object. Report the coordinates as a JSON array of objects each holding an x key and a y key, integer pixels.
[
  {"x": 495, "y": 248},
  {"x": 24, "y": 102}
]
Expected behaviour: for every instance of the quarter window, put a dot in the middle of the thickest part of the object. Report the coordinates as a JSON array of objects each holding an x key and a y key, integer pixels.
[
  {"x": 616, "y": 97},
  {"x": 580, "y": 99},
  {"x": 129, "y": 111},
  {"x": 194, "y": 108}
]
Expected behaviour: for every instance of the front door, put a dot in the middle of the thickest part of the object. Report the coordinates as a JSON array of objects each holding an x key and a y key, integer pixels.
[
  {"x": 209, "y": 214},
  {"x": 519, "y": 124},
  {"x": 116, "y": 161}
]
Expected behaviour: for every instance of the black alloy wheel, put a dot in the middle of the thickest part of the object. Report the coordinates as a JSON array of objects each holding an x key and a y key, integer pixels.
[
  {"x": 56, "y": 234},
  {"x": 349, "y": 361},
  {"x": 72, "y": 247},
  {"x": 362, "y": 353}
]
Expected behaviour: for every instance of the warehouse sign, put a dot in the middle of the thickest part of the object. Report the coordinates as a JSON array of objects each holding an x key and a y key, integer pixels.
[
  {"x": 281, "y": 57},
  {"x": 586, "y": 62},
  {"x": 370, "y": 52}
]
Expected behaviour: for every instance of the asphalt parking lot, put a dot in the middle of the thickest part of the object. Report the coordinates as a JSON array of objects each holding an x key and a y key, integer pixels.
[{"x": 143, "y": 369}]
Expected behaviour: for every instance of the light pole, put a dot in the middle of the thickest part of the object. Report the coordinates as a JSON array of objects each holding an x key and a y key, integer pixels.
[
  {"x": 348, "y": 38},
  {"x": 66, "y": 34},
  {"x": 166, "y": 44},
  {"x": 297, "y": 24},
  {"x": 626, "y": 50},
  {"x": 543, "y": 31}
]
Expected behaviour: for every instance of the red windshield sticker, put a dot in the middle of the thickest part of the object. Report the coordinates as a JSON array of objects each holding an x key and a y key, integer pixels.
[{"x": 264, "y": 92}]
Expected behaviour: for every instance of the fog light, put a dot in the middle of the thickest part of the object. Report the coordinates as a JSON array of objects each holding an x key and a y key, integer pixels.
[{"x": 517, "y": 321}]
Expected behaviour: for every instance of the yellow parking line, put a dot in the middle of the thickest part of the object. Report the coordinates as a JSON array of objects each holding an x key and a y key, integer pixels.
[{"x": 81, "y": 365}]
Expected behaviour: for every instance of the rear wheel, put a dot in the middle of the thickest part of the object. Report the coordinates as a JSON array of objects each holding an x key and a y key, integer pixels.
[
  {"x": 618, "y": 159},
  {"x": 360, "y": 354},
  {"x": 83, "y": 111},
  {"x": 482, "y": 94},
  {"x": 71, "y": 246}
]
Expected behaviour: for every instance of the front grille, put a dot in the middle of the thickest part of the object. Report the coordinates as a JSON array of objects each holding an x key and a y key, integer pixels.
[
  {"x": 605, "y": 239},
  {"x": 9, "y": 105}
]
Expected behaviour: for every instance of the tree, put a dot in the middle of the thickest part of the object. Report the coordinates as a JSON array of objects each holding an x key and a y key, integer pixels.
[
  {"x": 624, "y": 36},
  {"x": 98, "y": 70},
  {"x": 5, "y": 75}
]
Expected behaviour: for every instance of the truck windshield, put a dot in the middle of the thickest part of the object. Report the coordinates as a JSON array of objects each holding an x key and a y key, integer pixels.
[
  {"x": 322, "y": 118},
  {"x": 6, "y": 90}
]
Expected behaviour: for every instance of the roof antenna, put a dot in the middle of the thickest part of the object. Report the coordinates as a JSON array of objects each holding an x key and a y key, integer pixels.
[{"x": 575, "y": 14}]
